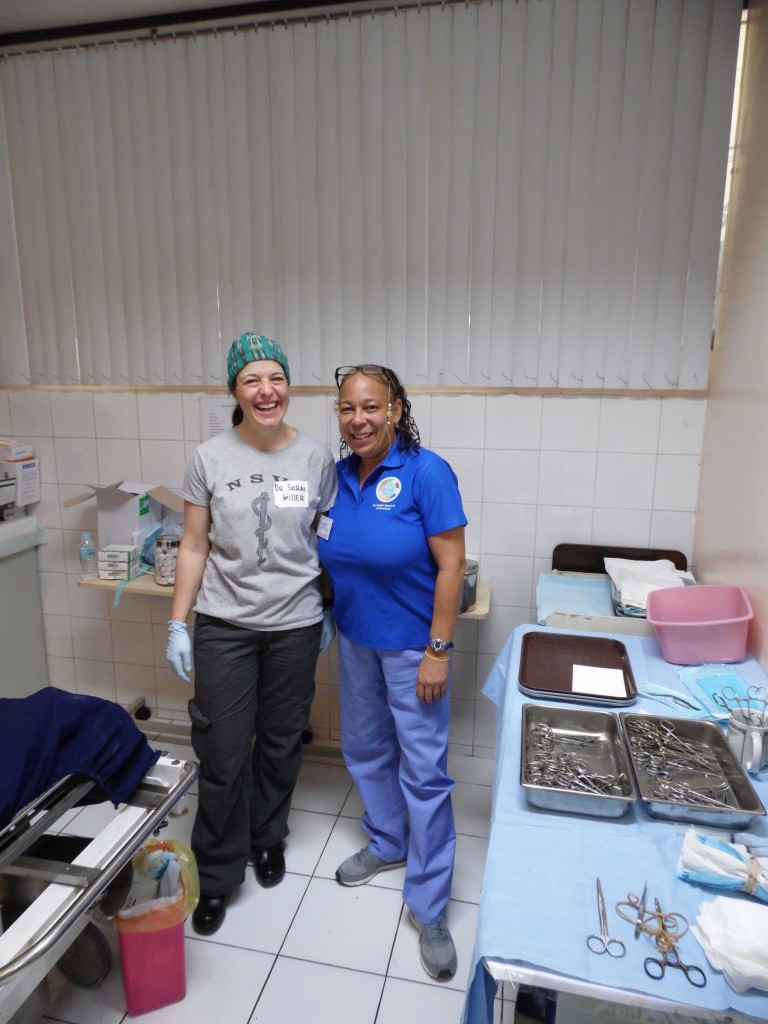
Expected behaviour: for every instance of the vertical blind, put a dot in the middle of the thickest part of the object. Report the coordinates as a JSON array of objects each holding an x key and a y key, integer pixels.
[{"x": 500, "y": 194}]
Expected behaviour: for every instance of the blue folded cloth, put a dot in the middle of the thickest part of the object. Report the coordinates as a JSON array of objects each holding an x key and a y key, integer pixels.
[
  {"x": 555, "y": 593},
  {"x": 53, "y": 733}
]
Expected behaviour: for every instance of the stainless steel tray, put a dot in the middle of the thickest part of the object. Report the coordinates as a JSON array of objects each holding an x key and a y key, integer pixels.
[
  {"x": 743, "y": 804},
  {"x": 591, "y": 737}
]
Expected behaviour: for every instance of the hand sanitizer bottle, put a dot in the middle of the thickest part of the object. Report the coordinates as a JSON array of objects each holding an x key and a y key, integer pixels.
[{"x": 89, "y": 566}]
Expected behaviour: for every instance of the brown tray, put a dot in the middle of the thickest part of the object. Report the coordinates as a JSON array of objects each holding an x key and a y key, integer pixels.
[{"x": 547, "y": 661}]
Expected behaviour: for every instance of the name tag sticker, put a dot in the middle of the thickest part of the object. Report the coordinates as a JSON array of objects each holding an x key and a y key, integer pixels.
[
  {"x": 291, "y": 494},
  {"x": 324, "y": 525}
]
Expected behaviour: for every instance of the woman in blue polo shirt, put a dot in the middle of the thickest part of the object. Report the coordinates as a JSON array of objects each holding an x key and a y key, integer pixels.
[{"x": 393, "y": 549}]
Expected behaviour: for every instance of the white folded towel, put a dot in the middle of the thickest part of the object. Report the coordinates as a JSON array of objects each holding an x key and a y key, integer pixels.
[
  {"x": 732, "y": 932},
  {"x": 634, "y": 580}
]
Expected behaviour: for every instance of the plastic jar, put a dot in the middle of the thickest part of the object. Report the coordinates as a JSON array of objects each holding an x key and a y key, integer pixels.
[{"x": 166, "y": 553}]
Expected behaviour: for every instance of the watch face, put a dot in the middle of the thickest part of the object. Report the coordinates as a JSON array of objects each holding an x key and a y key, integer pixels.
[{"x": 438, "y": 645}]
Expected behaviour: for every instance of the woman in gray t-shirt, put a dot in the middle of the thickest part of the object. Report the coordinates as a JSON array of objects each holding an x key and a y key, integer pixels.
[{"x": 248, "y": 567}]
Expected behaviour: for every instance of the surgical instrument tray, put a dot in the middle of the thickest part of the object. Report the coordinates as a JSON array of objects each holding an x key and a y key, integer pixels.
[
  {"x": 686, "y": 771},
  {"x": 574, "y": 761}
]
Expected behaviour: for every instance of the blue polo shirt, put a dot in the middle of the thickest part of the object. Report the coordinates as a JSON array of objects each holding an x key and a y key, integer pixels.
[{"x": 377, "y": 554}]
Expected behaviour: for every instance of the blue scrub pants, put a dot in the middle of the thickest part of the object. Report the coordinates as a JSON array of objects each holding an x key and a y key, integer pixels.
[{"x": 396, "y": 750}]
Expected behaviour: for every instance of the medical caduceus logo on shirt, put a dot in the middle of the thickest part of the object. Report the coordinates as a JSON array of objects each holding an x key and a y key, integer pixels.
[{"x": 259, "y": 506}]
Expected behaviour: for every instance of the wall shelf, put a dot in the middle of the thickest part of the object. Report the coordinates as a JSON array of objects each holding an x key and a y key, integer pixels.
[{"x": 145, "y": 585}]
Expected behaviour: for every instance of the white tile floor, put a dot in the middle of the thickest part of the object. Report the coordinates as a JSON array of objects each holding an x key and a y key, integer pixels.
[{"x": 310, "y": 950}]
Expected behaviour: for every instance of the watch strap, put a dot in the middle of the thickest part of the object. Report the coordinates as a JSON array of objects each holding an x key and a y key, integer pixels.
[{"x": 437, "y": 645}]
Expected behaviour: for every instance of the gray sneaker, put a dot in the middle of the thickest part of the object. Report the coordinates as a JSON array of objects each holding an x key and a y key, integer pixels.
[
  {"x": 436, "y": 948},
  {"x": 362, "y": 866}
]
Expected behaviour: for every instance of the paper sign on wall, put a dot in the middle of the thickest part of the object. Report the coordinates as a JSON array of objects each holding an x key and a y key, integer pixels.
[{"x": 215, "y": 416}]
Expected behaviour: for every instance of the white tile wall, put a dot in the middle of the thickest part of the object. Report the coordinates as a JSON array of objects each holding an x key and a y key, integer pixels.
[
  {"x": 570, "y": 424},
  {"x": 160, "y": 416},
  {"x": 567, "y": 477},
  {"x": 533, "y": 470},
  {"x": 5, "y": 414},
  {"x": 72, "y": 414},
  {"x": 629, "y": 424},
  {"x": 116, "y": 414},
  {"x": 119, "y": 459},
  {"x": 624, "y": 480}
]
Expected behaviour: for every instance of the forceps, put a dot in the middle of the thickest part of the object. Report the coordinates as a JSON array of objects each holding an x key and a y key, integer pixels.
[
  {"x": 675, "y": 698},
  {"x": 640, "y": 911},
  {"x": 601, "y": 942},
  {"x": 655, "y": 967}
]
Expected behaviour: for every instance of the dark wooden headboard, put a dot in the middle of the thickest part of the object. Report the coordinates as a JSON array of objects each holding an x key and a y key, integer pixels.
[{"x": 590, "y": 557}]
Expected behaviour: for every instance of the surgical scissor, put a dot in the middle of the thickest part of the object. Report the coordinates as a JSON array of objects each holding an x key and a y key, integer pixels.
[
  {"x": 640, "y": 910},
  {"x": 601, "y": 942}
]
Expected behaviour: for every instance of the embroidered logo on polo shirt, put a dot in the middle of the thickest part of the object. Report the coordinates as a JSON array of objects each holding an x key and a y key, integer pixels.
[{"x": 388, "y": 488}]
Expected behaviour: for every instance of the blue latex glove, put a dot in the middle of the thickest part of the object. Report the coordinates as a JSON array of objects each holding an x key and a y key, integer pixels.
[
  {"x": 328, "y": 631},
  {"x": 179, "y": 649}
]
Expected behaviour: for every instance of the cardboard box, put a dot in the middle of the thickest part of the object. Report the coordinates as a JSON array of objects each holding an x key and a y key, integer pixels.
[
  {"x": 117, "y": 555},
  {"x": 13, "y": 449},
  {"x": 114, "y": 571},
  {"x": 121, "y": 567},
  {"x": 26, "y": 473},
  {"x": 126, "y": 511},
  {"x": 7, "y": 494}
]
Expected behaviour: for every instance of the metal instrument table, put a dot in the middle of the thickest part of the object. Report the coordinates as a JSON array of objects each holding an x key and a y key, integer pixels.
[{"x": 538, "y": 899}]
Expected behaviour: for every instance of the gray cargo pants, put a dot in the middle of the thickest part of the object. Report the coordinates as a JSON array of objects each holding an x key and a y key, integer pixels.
[{"x": 253, "y": 693}]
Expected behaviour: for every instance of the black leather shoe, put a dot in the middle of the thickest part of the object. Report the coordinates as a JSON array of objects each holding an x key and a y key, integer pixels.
[
  {"x": 209, "y": 914},
  {"x": 269, "y": 864}
]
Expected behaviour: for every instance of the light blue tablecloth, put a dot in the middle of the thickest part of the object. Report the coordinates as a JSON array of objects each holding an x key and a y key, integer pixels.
[{"x": 538, "y": 902}]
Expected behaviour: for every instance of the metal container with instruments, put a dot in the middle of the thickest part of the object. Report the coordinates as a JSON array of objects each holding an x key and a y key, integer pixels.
[
  {"x": 686, "y": 771},
  {"x": 574, "y": 761}
]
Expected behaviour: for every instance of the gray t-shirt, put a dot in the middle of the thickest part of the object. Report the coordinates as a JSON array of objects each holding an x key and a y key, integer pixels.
[{"x": 262, "y": 569}]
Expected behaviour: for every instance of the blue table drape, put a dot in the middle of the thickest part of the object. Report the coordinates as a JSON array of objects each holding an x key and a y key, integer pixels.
[{"x": 538, "y": 901}]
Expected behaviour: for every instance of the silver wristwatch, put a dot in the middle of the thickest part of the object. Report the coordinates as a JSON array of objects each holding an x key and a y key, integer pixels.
[{"x": 438, "y": 646}]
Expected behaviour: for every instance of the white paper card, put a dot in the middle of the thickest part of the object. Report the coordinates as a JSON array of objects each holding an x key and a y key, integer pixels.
[
  {"x": 599, "y": 682},
  {"x": 292, "y": 493},
  {"x": 324, "y": 526}
]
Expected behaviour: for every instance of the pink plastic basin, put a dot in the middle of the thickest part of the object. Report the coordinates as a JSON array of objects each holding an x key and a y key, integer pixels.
[{"x": 703, "y": 623}]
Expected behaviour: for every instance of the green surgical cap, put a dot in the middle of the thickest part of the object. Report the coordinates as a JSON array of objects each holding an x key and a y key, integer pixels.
[{"x": 250, "y": 348}]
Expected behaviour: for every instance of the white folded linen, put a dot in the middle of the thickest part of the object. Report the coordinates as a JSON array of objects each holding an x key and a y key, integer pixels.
[
  {"x": 732, "y": 932},
  {"x": 634, "y": 580}
]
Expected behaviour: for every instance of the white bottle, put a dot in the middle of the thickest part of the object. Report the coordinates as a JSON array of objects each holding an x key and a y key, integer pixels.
[{"x": 89, "y": 566}]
